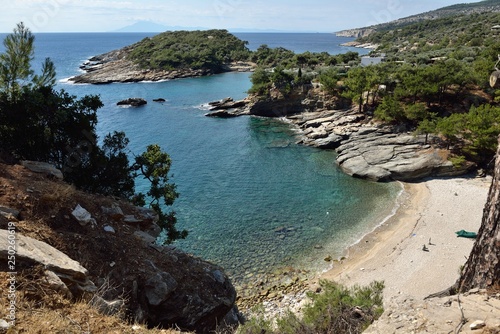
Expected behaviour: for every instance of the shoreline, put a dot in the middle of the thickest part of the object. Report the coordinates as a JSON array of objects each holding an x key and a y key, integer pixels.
[{"x": 429, "y": 211}]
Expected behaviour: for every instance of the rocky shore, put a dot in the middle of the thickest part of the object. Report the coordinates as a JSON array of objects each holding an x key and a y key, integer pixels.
[
  {"x": 366, "y": 149},
  {"x": 114, "y": 66}
]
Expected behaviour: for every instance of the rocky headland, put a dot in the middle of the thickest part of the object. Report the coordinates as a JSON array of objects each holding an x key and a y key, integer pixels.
[{"x": 114, "y": 66}]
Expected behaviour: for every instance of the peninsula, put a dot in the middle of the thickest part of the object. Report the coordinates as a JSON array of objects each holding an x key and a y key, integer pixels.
[{"x": 169, "y": 55}]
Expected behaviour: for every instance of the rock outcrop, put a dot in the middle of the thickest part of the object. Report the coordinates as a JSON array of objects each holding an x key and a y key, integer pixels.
[
  {"x": 372, "y": 151},
  {"x": 228, "y": 108},
  {"x": 30, "y": 251},
  {"x": 43, "y": 167},
  {"x": 115, "y": 67},
  {"x": 133, "y": 102},
  {"x": 381, "y": 156},
  {"x": 366, "y": 149},
  {"x": 355, "y": 33}
]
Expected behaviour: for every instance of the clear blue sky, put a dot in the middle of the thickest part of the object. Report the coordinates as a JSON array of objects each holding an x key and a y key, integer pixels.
[{"x": 251, "y": 15}]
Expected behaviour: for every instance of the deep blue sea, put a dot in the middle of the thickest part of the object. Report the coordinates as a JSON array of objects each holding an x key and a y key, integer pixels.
[{"x": 251, "y": 198}]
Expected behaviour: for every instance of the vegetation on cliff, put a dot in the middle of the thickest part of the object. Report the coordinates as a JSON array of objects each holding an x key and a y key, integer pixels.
[
  {"x": 433, "y": 80},
  {"x": 209, "y": 50}
]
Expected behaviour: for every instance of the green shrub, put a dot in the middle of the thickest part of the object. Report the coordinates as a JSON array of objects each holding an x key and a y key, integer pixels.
[{"x": 337, "y": 309}]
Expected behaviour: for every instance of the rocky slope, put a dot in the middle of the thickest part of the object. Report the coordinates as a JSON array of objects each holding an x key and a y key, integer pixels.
[{"x": 101, "y": 249}]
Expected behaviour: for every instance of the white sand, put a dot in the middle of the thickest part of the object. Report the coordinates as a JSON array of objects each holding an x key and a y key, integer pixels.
[{"x": 431, "y": 210}]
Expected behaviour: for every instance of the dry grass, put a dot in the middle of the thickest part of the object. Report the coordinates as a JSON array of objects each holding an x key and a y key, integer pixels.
[{"x": 41, "y": 310}]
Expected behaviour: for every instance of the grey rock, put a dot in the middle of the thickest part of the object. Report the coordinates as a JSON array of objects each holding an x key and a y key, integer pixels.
[
  {"x": 109, "y": 229},
  {"x": 146, "y": 237},
  {"x": 31, "y": 251},
  {"x": 219, "y": 276},
  {"x": 43, "y": 168},
  {"x": 114, "y": 212},
  {"x": 107, "y": 307},
  {"x": 330, "y": 142},
  {"x": 159, "y": 287},
  {"x": 381, "y": 156},
  {"x": 82, "y": 216},
  {"x": 131, "y": 219},
  {"x": 54, "y": 282}
]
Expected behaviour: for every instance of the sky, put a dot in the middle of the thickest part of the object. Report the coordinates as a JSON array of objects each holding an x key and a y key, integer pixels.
[{"x": 248, "y": 15}]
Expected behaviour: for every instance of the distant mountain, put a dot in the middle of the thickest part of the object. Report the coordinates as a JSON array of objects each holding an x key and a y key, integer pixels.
[
  {"x": 148, "y": 26},
  {"x": 486, "y": 6}
]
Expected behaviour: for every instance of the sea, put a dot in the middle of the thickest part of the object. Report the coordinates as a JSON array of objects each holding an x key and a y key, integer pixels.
[{"x": 252, "y": 199}]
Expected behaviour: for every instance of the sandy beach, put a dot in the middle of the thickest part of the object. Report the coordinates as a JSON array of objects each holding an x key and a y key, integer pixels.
[{"x": 430, "y": 213}]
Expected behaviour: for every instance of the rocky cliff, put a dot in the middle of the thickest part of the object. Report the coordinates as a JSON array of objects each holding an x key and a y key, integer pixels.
[{"x": 101, "y": 250}]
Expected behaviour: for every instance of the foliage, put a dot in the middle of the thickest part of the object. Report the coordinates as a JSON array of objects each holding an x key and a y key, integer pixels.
[
  {"x": 40, "y": 123},
  {"x": 154, "y": 165},
  {"x": 260, "y": 82},
  {"x": 208, "y": 50},
  {"x": 329, "y": 80},
  {"x": 337, "y": 309},
  {"x": 15, "y": 64},
  {"x": 390, "y": 110}
]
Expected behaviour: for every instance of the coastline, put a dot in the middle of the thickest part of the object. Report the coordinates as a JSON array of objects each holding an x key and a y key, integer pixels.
[{"x": 431, "y": 210}]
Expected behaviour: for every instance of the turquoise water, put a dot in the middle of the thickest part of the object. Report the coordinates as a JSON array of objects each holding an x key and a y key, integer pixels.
[{"x": 250, "y": 197}]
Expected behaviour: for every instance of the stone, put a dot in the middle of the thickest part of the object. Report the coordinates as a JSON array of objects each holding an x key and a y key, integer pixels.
[
  {"x": 83, "y": 216},
  {"x": 107, "y": 307},
  {"x": 109, "y": 229},
  {"x": 159, "y": 287},
  {"x": 133, "y": 102},
  {"x": 146, "y": 237},
  {"x": 4, "y": 325},
  {"x": 160, "y": 100},
  {"x": 54, "y": 282},
  {"x": 383, "y": 156},
  {"x": 114, "y": 212},
  {"x": 43, "y": 168},
  {"x": 9, "y": 212},
  {"x": 478, "y": 324},
  {"x": 31, "y": 251},
  {"x": 219, "y": 276}
]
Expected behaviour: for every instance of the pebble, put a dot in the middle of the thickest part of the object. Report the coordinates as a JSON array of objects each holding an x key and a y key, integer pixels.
[
  {"x": 478, "y": 324},
  {"x": 109, "y": 229}
]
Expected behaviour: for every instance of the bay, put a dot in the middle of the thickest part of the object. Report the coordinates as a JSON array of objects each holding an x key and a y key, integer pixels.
[{"x": 250, "y": 197}]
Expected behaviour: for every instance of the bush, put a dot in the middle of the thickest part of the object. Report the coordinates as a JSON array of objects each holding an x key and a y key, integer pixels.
[{"x": 337, "y": 309}]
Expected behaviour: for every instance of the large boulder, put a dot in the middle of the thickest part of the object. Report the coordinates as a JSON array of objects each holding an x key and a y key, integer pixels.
[
  {"x": 30, "y": 251},
  {"x": 43, "y": 168},
  {"x": 194, "y": 299}
]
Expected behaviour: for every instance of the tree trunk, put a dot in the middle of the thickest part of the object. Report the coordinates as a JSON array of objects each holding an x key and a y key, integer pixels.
[{"x": 482, "y": 269}]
